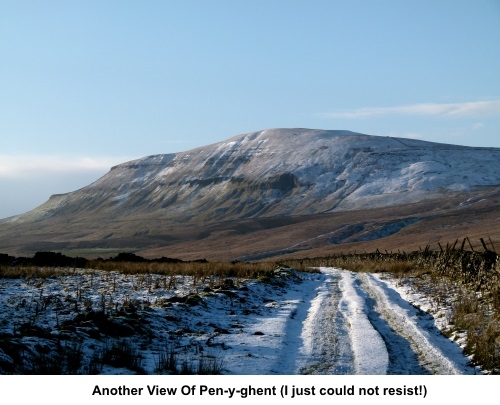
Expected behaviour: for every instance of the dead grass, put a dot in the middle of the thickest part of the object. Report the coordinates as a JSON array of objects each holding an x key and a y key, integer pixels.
[
  {"x": 29, "y": 272},
  {"x": 213, "y": 274},
  {"x": 200, "y": 271}
]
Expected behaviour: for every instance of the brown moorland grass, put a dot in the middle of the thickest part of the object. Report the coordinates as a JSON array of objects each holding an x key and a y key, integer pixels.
[
  {"x": 29, "y": 272},
  {"x": 197, "y": 269}
]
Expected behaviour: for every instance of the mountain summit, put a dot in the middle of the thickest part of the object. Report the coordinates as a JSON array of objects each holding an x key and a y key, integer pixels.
[
  {"x": 279, "y": 172},
  {"x": 274, "y": 173}
]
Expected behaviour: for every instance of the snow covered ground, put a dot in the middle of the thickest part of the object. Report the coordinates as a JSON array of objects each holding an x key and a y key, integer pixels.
[{"x": 330, "y": 322}]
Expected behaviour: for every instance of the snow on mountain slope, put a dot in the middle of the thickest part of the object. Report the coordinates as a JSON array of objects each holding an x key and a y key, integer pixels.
[{"x": 279, "y": 172}]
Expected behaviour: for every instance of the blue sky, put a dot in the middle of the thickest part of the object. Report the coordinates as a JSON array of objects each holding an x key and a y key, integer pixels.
[{"x": 86, "y": 84}]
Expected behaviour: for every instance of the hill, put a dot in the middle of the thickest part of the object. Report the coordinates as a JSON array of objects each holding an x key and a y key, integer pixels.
[{"x": 277, "y": 191}]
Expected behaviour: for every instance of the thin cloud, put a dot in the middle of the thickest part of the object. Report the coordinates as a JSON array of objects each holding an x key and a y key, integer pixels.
[
  {"x": 469, "y": 109},
  {"x": 22, "y": 166}
]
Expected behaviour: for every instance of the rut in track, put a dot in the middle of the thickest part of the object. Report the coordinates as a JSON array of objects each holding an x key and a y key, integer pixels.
[{"x": 359, "y": 324}]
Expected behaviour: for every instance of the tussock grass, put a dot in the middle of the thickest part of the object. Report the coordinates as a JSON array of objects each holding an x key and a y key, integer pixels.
[
  {"x": 28, "y": 272},
  {"x": 171, "y": 361},
  {"x": 121, "y": 354},
  {"x": 167, "y": 360},
  {"x": 200, "y": 271}
]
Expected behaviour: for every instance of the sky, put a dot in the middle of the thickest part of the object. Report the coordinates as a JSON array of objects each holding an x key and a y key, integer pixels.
[{"x": 87, "y": 84}]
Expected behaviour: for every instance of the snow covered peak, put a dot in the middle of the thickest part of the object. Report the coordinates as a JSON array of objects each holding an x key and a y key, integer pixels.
[{"x": 280, "y": 172}]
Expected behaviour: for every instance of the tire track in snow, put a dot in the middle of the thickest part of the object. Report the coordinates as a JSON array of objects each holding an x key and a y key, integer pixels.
[
  {"x": 436, "y": 353},
  {"x": 337, "y": 335},
  {"x": 326, "y": 346},
  {"x": 358, "y": 324},
  {"x": 370, "y": 352}
]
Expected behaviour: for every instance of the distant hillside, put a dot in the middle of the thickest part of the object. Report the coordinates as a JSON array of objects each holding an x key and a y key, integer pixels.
[{"x": 267, "y": 175}]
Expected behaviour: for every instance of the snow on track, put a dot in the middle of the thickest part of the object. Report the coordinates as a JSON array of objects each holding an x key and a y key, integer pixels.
[
  {"x": 326, "y": 345},
  {"x": 436, "y": 352},
  {"x": 370, "y": 351},
  {"x": 359, "y": 324}
]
